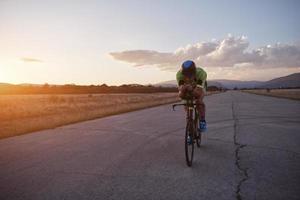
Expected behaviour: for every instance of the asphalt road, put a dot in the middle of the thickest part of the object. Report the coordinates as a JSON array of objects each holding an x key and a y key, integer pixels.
[{"x": 250, "y": 151}]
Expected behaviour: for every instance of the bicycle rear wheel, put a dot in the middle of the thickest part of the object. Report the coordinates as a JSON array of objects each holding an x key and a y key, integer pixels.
[
  {"x": 189, "y": 143},
  {"x": 198, "y": 133}
]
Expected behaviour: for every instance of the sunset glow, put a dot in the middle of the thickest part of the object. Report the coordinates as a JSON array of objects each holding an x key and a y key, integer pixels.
[{"x": 111, "y": 42}]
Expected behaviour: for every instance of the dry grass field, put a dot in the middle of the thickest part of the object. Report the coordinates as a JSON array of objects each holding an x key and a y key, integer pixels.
[
  {"x": 284, "y": 93},
  {"x": 21, "y": 114}
]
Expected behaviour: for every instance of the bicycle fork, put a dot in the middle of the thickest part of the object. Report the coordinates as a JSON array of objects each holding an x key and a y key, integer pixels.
[{"x": 191, "y": 120}]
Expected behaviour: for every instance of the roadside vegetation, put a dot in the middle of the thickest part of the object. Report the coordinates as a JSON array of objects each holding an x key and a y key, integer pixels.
[
  {"x": 81, "y": 89},
  {"x": 283, "y": 93},
  {"x": 28, "y": 108},
  {"x": 21, "y": 114}
]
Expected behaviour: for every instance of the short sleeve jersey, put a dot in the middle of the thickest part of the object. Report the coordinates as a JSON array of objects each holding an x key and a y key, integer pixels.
[{"x": 201, "y": 76}]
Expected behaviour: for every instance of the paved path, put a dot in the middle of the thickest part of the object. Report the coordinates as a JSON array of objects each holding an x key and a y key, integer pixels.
[{"x": 251, "y": 151}]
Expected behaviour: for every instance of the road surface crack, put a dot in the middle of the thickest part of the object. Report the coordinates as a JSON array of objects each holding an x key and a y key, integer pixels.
[{"x": 239, "y": 147}]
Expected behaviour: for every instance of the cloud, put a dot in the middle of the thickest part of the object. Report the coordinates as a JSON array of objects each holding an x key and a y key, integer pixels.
[
  {"x": 27, "y": 59},
  {"x": 229, "y": 52}
]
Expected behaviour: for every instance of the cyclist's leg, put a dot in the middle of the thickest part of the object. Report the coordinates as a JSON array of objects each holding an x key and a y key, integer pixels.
[
  {"x": 182, "y": 94},
  {"x": 199, "y": 95}
]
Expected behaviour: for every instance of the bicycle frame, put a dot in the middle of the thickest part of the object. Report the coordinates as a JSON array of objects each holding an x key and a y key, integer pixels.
[
  {"x": 192, "y": 117},
  {"x": 191, "y": 108}
]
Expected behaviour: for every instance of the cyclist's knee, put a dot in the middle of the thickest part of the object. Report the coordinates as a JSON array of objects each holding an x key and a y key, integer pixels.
[
  {"x": 198, "y": 93},
  {"x": 199, "y": 101},
  {"x": 181, "y": 94}
]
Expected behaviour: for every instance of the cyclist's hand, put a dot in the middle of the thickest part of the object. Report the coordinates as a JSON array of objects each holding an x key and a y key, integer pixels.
[{"x": 189, "y": 87}]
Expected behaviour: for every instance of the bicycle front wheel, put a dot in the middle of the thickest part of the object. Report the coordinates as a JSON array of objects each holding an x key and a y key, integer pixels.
[
  {"x": 189, "y": 143},
  {"x": 198, "y": 133}
]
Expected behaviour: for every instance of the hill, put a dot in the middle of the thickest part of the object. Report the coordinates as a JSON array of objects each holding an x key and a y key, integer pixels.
[
  {"x": 290, "y": 81},
  {"x": 231, "y": 84}
]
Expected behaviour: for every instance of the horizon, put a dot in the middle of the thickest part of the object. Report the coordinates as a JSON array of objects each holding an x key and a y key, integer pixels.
[
  {"x": 54, "y": 84},
  {"x": 115, "y": 43}
]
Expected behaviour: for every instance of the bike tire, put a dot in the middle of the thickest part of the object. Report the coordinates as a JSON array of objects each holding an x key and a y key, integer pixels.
[
  {"x": 189, "y": 147},
  {"x": 198, "y": 133},
  {"x": 198, "y": 140}
]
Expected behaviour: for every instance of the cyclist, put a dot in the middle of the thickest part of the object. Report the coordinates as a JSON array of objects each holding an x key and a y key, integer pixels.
[{"x": 193, "y": 79}]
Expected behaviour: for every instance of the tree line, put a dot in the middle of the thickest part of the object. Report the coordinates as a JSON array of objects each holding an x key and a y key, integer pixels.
[{"x": 85, "y": 89}]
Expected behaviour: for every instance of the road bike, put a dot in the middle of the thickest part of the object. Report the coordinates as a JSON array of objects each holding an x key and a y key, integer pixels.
[{"x": 192, "y": 131}]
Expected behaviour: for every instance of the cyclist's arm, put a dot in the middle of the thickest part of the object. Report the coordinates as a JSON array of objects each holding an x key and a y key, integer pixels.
[
  {"x": 201, "y": 78},
  {"x": 180, "y": 83},
  {"x": 200, "y": 83}
]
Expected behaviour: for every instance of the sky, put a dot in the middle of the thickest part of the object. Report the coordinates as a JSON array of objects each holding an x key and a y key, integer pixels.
[{"x": 145, "y": 41}]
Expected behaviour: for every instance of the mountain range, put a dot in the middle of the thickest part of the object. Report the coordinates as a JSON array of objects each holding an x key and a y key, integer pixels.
[{"x": 290, "y": 81}]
